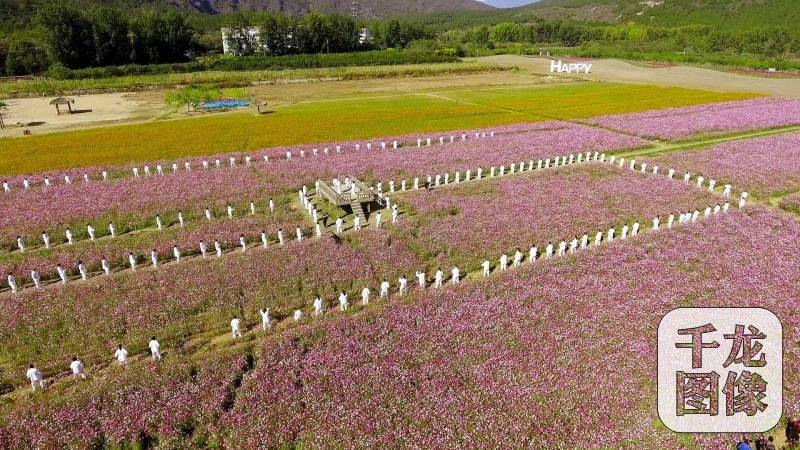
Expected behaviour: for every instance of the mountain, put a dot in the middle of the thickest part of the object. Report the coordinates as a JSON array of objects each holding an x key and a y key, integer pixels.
[
  {"x": 366, "y": 8},
  {"x": 723, "y": 13}
]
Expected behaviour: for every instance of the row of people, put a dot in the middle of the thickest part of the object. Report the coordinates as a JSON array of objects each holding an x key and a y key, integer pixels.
[{"x": 92, "y": 233}]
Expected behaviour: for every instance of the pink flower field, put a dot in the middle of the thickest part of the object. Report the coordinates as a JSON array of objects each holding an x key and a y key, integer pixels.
[
  {"x": 561, "y": 352},
  {"x": 21, "y": 211},
  {"x": 706, "y": 120},
  {"x": 462, "y": 225},
  {"x": 522, "y": 359},
  {"x": 763, "y": 166}
]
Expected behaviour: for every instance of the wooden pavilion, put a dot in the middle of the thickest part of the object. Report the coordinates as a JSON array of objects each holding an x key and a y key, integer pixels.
[{"x": 58, "y": 102}]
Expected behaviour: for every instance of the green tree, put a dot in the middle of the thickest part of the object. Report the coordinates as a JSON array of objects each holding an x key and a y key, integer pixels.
[
  {"x": 110, "y": 35},
  {"x": 316, "y": 31},
  {"x": 506, "y": 32},
  {"x": 278, "y": 34},
  {"x": 238, "y": 37},
  {"x": 67, "y": 33},
  {"x": 26, "y": 56},
  {"x": 160, "y": 37}
]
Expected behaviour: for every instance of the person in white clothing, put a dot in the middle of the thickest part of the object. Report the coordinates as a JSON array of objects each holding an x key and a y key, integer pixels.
[
  {"x": 265, "y": 324},
  {"x": 318, "y": 306},
  {"x": 62, "y": 273},
  {"x": 378, "y": 220},
  {"x": 106, "y": 266},
  {"x": 68, "y": 233},
  {"x": 176, "y": 252},
  {"x": 20, "y": 244},
  {"x": 82, "y": 270},
  {"x": 456, "y": 275},
  {"x": 343, "y": 303},
  {"x": 486, "y": 264},
  {"x": 132, "y": 262},
  {"x": 90, "y": 230},
  {"x": 218, "y": 248},
  {"x": 384, "y": 289},
  {"x": 155, "y": 347},
  {"x": 299, "y": 234},
  {"x": 339, "y": 224},
  {"x": 111, "y": 230},
  {"x": 35, "y": 375},
  {"x": 437, "y": 278},
  {"x": 403, "y": 285},
  {"x": 517, "y": 258},
  {"x": 77, "y": 369},
  {"x": 280, "y": 236},
  {"x": 243, "y": 242},
  {"x": 421, "y": 279},
  {"x": 121, "y": 355},
  {"x": 365, "y": 296},
  {"x": 394, "y": 213},
  {"x": 46, "y": 239},
  {"x": 503, "y": 262},
  {"x": 12, "y": 282},
  {"x": 357, "y": 223},
  {"x": 37, "y": 280},
  {"x": 154, "y": 257},
  {"x": 271, "y": 205},
  {"x": 235, "y": 327},
  {"x": 298, "y": 315},
  {"x": 203, "y": 248}
]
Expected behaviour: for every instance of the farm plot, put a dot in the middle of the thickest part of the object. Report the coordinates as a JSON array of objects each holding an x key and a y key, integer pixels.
[
  {"x": 462, "y": 225},
  {"x": 706, "y": 120}
]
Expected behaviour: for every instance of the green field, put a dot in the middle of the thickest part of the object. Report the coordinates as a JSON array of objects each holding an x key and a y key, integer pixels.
[
  {"x": 49, "y": 86},
  {"x": 332, "y": 120}
]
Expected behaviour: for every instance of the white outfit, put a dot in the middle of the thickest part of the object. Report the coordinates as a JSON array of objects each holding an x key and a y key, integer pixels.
[
  {"x": 486, "y": 268},
  {"x": 403, "y": 284},
  {"x": 365, "y": 296},
  {"x": 122, "y": 356},
  {"x": 456, "y": 275},
  {"x": 384, "y": 289},
  {"x": 35, "y": 375},
  {"x": 265, "y": 325},
  {"x": 154, "y": 349},
  {"x": 235, "y": 328},
  {"x": 343, "y": 303},
  {"x": 77, "y": 369}
]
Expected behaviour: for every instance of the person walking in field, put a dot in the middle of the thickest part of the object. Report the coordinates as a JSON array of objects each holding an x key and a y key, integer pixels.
[
  {"x": 403, "y": 285},
  {"x": 46, "y": 239},
  {"x": 357, "y": 223},
  {"x": 437, "y": 278},
  {"x": 121, "y": 355},
  {"x": 265, "y": 325},
  {"x": 343, "y": 303},
  {"x": 384, "y": 288},
  {"x": 155, "y": 347},
  {"x": 235, "y": 331},
  {"x": 36, "y": 377},
  {"x": 62, "y": 273},
  {"x": 339, "y": 224},
  {"x": 77, "y": 369},
  {"x": 421, "y": 279},
  {"x": 37, "y": 280},
  {"x": 365, "y": 296},
  {"x": 106, "y": 266},
  {"x": 280, "y": 236},
  {"x": 20, "y": 244},
  {"x": 503, "y": 262},
  {"x": 455, "y": 275},
  {"x": 68, "y": 234},
  {"x": 378, "y": 220},
  {"x": 486, "y": 264},
  {"x": 317, "y": 306},
  {"x": 12, "y": 282}
]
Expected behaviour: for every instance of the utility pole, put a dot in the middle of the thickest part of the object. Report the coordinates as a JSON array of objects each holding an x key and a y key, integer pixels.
[{"x": 356, "y": 9}]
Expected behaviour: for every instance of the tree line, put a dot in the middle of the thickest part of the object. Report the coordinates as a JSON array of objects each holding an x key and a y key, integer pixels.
[
  {"x": 76, "y": 38},
  {"x": 771, "y": 41},
  {"x": 280, "y": 35}
]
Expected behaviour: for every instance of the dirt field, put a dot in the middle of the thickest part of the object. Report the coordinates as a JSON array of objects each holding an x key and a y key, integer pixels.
[
  {"x": 677, "y": 76},
  {"x": 38, "y": 116}
]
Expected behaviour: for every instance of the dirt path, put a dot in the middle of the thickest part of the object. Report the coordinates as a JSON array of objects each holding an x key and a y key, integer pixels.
[{"x": 613, "y": 70}]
